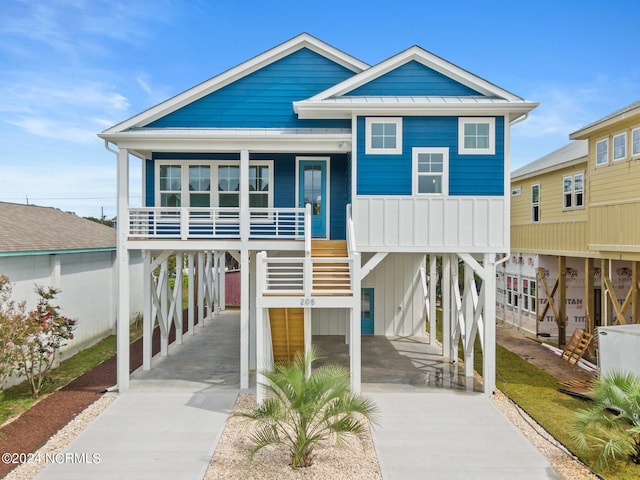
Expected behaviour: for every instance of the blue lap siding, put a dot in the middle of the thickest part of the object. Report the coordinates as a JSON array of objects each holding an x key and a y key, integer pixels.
[
  {"x": 413, "y": 78},
  {"x": 468, "y": 174},
  {"x": 263, "y": 99}
]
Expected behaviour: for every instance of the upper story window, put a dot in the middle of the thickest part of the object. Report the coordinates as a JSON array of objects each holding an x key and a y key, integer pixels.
[
  {"x": 516, "y": 192},
  {"x": 383, "y": 135},
  {"x": 430, "y": 171},
  {"x": 602, "y": 151},
  {"x": 476, "y": 135},
  {"x": 619, "y": 146},
  {"x": 573, "y": 191},
  {"x": 635, "y": 141},
  {"x": 189, "y": 184},
  {"x": 535, "y": 202}
]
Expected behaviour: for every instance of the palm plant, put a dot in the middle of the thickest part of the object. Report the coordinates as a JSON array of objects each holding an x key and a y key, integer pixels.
[
  {"x": 304, "y": 412},
  {"x": 611, "y": 427}
]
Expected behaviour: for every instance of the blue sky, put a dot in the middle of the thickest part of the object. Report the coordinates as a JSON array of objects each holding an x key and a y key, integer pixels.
[{"x": 72, "y": 68}]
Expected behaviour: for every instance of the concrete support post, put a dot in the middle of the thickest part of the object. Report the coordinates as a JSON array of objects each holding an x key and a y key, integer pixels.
[
  {"x": 433, "y": 282},
  {"x": 147, "y": 321},
  {"x": 468, "y": 307},
  {"x": 355, "y": 333},
  {"x": 244, "y": 318},
  {"x": 191, "y": 293},
  {"x": 446, "y": 308},
  {"x": 489, "y": 343},
  {"x": 122, "y": 322}
]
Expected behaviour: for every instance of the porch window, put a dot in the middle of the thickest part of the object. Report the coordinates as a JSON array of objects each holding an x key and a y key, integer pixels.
[
  {"x": 619, "y": 146},
  {"x": 383, "y": 135},
  {"x": 635, "y": 141},
  {"x": 170, "y": 185},
  {"x": 229, "y": 185},
  {"x": 535, "y": 202},
  {"x": 430, "y": 169},
  {"x": 199, "y": 185},
  {"x": 602, "y": 151},
  {"x": 476, "y": 136}
]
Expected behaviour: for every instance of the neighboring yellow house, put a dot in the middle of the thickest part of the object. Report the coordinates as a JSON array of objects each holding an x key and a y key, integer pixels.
[{"x": 577, "y": 211}]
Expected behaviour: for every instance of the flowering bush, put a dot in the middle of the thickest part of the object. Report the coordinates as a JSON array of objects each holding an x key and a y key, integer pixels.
[
  {"x": 31, "y": 339},
  {"x": 7, "y": 352}
]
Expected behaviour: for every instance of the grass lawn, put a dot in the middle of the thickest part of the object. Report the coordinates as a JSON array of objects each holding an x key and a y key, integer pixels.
[
  {"x": 17, "y": 399},
  {"x": 537, "y": 393}
]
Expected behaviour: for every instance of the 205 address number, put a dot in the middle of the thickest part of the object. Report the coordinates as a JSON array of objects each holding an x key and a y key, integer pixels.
[{"x": 307, "y": 302}]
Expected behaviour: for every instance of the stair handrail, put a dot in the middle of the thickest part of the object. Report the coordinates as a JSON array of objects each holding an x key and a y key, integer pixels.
[{"x": 351, "y": 232}]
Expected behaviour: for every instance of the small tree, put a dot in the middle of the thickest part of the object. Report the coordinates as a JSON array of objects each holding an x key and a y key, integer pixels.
[
  {"x": 37, "y": 336},
  {"x": 611, "y": 426},
  {"x": 303, "y": 412}
]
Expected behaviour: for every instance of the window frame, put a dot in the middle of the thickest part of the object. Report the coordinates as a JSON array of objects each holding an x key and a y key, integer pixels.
[
  {"x": 491, "y": 149},
  {"x": 415, "y": 152},
  {"x": 529, "y": 301},
  {"x": 516, "y": 191},
  {"x": 535, "y": 205},
  {"x": 572, "y": 194},
  {"x": 606, "y": 151},
  {"x": 624, "y": 147},
  {"x": 635, "y": 132},
  {"x": 214, "y": 198},
  {"x": 370, "y": 149},
  {"x": 512, "y": 294}
]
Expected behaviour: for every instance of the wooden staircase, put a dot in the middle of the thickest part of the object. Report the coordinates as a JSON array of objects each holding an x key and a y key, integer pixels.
[
  {"x": 330, "y": 275},
  {"x": 287, "y": 332}
]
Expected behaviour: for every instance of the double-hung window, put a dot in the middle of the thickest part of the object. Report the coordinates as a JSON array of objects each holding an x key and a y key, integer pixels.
[
  {"x": 383, "y": 135},
  {"x": 430, "y": 171},
  {"x": 529, "y": 295},
  {"x": 170, "y": 186},
  {"x": 512, "y": 291},
  {"x": 476, "y": 135},
  {"x": 635, "y": 142},
  {"x": 602, "y": 151},
  {"x": 535, "y": 202},
  {"x": 619, "y": 146},
  {"x": 573, "y": 190}
]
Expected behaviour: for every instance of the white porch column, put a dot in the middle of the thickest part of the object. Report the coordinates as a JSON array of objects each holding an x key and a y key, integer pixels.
[
  {"x": 178, "y": 297},
  {"x": 446, "y": 307},
  {"x": 468, "y": 307},
  {"x": 191, "y": 293},
  {"x": 244, "y": 318},
  {"x": 147, "y": 324},
  {"x": 433, "y": 282},
  {"x": 201, "y": 289},
  {"x": 307, "y": 335},
  {"x": 222, "y": 280},
  {"x": 244, "y": 196},
  {"x": 122, "y": 322},
  {"x": 489, "y": 343},
  {"x": 164, "y": 306},
  {"x": 252, "y": 312},
  {"x": 355, "y": 353},
  {"x": 261, "y": 362}
]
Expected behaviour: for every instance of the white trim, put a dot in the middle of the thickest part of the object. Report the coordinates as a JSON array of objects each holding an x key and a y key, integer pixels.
[
  {"x": 427, "y": 59},
  {"x": 328, "y": 186},
  {"x": 491, "y": 149},
  {"x": 613, "y": 146},
  {"x": 370, "y": 149},
  {"x": 445, "y": 169},
  {"x": 633, "y": 131},
  {"x": 600, "y": 164},
  {"x": 303, "y": 40},
  {"x": 213, "y": 164}
]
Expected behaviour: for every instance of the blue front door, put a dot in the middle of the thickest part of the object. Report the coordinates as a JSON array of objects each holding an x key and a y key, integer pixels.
[
  {"x": 313, "y": 190},
  {"x": 366, "y": 312}
]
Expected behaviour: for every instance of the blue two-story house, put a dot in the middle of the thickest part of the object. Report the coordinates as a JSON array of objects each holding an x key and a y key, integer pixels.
[{"x": 330, "y": 181}]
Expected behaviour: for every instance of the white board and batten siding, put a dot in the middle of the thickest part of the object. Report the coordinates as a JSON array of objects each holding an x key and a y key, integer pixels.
[
  {"x": 445, "y": 224},
  {"x": 398, "y": 302}
]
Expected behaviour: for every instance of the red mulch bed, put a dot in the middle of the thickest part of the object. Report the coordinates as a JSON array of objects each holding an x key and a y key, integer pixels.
[{"x": 37, "y": 425}]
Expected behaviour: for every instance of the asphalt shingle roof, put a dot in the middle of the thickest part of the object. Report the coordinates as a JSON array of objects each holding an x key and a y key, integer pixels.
[
  {"x": 572, "y": 151},
  {"x": 27, "y": 228}
]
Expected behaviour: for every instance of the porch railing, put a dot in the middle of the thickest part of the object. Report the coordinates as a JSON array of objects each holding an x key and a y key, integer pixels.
[
  {"x": 305, "y": 276},
  {"x": 185, "y": 223}
]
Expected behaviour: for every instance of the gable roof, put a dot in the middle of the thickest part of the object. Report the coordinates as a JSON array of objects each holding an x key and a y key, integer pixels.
[
  {"x": 299, "y": 42},
  {"x": 29, "y": 229},
  {"x": 574, "y": 152},
  {"x": 630, "y": 110},
  {"x": 489, "y": 96}
]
